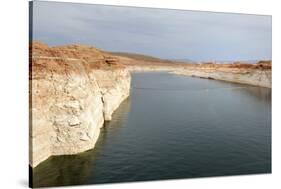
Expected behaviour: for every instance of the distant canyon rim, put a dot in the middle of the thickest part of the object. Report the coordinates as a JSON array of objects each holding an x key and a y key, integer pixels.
[{"x": 74, "y": 89}]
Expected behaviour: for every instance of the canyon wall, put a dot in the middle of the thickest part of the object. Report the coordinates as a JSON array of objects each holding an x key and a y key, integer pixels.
[{"x": 73, "y": 90}]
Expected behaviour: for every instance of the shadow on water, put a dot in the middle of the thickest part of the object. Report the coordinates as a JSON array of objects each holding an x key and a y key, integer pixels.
[
  {"x": 76, "y": 169},
  {"x": 63, "y": 170}
]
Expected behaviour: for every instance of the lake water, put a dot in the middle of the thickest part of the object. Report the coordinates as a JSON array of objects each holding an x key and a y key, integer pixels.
[{"x": 174, "y": 127}]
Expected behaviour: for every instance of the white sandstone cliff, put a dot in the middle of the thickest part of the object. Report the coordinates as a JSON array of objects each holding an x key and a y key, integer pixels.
[{"x": 70, "y": 99}]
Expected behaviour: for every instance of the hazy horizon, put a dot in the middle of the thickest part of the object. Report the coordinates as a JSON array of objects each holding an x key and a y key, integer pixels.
[{"x": 162, "y": 33}]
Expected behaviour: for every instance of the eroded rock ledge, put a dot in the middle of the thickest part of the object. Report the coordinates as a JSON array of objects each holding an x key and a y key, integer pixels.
[{"x": 73, "y": 90}]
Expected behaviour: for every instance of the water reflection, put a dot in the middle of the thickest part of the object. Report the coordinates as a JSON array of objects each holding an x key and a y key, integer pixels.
[
  {"x": 260, "y": 93},
  {"x": 64, "y": 170}
]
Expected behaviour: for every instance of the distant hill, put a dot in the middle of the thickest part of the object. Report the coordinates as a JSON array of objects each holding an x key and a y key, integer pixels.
[
  {"x": 140, "y": 57},
  {"x": 185, "y": 61}
]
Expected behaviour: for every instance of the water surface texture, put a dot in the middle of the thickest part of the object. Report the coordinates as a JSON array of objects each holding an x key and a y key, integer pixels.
[{"x": 174, "y": 127}]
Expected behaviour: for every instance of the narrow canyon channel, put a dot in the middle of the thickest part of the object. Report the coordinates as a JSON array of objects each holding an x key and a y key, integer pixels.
[{"x": 173, "y": 127}]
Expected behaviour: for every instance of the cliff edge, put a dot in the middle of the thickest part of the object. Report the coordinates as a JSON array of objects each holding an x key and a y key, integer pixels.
[{"x": 73, "y": 90}]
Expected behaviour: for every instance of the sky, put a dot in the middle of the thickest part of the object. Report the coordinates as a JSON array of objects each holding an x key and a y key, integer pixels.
[{"x": 163, "y": 33}]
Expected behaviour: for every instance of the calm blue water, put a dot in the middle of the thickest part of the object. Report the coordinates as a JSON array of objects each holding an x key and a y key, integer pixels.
[{"x": 174, "y": 127}]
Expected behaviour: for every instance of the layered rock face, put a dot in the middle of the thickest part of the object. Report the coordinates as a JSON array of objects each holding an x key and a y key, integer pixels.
[
  {"x": 258, "y": 74},
  {"x": 73, "y": 89}
]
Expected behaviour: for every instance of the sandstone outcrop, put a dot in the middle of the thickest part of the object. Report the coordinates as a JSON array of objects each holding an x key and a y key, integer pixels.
[{"x": 73, "y": 90}]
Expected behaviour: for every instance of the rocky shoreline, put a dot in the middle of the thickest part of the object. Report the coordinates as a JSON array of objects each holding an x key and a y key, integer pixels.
[
  {"x": 75, "y": 88},
  {"x": 258, "y": 74}
]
